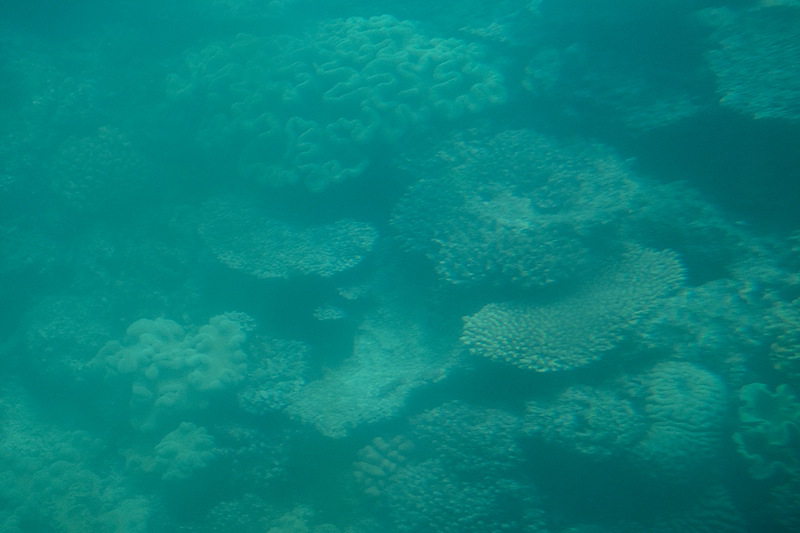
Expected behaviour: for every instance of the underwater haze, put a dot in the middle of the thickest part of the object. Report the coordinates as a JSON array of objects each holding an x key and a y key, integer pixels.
[{"x": 294, "y": 266}]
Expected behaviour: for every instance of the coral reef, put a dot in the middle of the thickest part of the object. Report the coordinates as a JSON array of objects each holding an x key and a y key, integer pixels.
[
  {"x": 581, "y": 327},
  {"x": 521, "y": 209},
  {"x": 246, "y": 239},
  {"x": 307, "y": 109},
  {"x": 755, "y": 61}
]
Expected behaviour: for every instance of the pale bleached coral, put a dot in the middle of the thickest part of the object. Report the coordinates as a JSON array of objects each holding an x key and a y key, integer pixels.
[{"x": 579, "y": 328}]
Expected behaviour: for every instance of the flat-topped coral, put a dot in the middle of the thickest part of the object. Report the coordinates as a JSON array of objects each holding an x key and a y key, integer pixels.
[
  {"x": 578, "y": 328},
  {"x": 310, "y": 109}
]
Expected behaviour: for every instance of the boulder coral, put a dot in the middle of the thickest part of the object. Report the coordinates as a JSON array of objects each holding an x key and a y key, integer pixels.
[
  {"x": 579, "y": 328},
  {"x": 308, "y": 109},
  {"x": 171, "y": 371}
]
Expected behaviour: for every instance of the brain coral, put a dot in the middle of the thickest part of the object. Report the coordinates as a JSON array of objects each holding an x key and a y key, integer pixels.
[
  {"x": 756, "y": 62},
  {"x": 685, "y": 406},
  {"x": 578, "y": 328},
  {"x": 246, "y": 239},
  {"x": 171, "y": 371},
  {"x": 308, "y": 109},
  {"x": 522, "y": 209}
]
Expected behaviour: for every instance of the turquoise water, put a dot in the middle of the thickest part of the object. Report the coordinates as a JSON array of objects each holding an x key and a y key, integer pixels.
[{"x": 520, "y": 266}]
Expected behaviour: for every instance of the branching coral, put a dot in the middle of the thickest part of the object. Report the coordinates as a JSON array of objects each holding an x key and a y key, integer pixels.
[{"x": 579, "y": 328}]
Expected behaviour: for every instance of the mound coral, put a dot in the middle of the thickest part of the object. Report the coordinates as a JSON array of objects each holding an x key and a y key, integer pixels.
[
  {"x": 578, "y": 328},
  {"x": 308, "y": 109},
  {"x": 246, "y": 239},
  {"x": 522, "y": 210},
  {"x": 171, "y": 371}
]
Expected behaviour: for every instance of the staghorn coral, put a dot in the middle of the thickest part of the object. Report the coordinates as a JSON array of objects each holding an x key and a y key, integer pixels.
[
  {"x": 170, "y": 371},
  {"x": 520, "y": 209},
  {"x": 276, "y": 371},
  {"x": 581, "y": 327},
  {"x": 756, "y": 60},
  {"x": 308, "y": 109},
  {"x": 245, "y": 239},
  {"x": 685, "y": 408}
]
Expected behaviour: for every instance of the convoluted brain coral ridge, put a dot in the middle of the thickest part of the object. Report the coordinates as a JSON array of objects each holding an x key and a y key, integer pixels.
[
  {"x": 307, "y": 109},
  {"x": 580, "y": 328},
  {"x": 170, "y": 370}
]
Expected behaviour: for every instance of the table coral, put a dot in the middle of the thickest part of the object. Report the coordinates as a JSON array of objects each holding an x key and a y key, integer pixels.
[{"x": 578, "y": 328}]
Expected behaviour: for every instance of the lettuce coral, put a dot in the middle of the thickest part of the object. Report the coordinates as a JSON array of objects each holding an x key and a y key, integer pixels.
[
  {"x": 770, "y": 430},
  {"x": 308, "y": 109}
]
